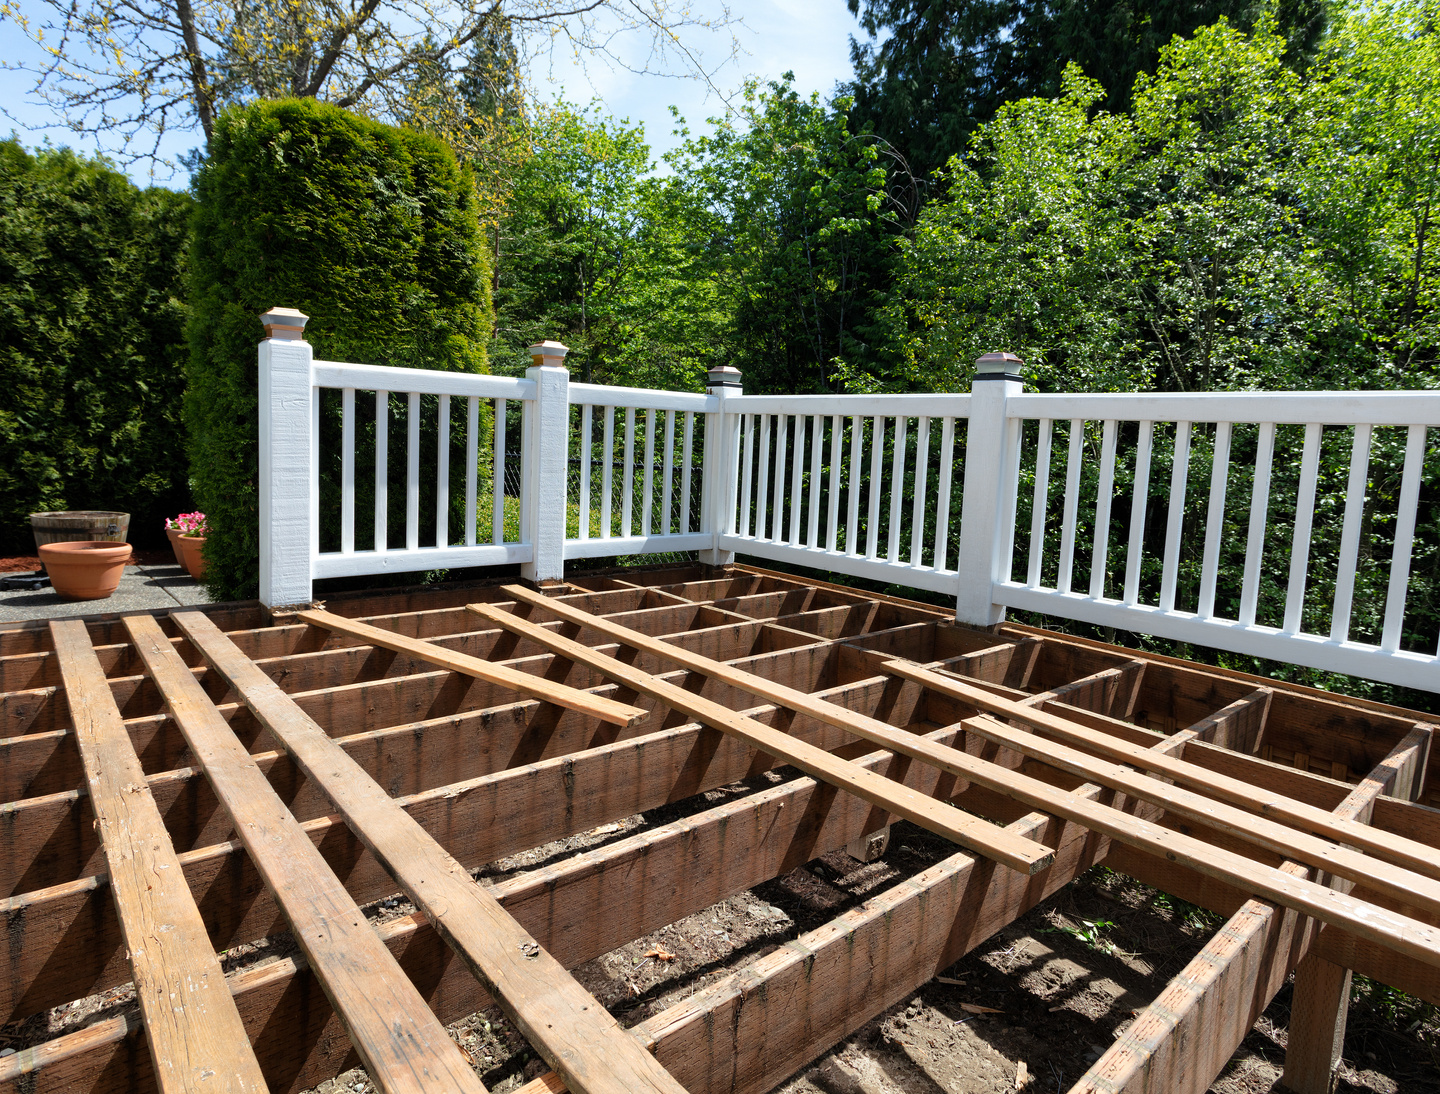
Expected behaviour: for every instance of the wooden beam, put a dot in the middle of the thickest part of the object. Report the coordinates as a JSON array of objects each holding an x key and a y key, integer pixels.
[
  {"x": 193, "y": 1028},
  {"x": 1407, "y": 853},
  {"x": 1184, "y": 1038},
  {"x": 1019, "y": 854},
  {"x": 403, "y": 1045},
  {"x": 575, "y": 1034},
  {"x": 1404, "y": 886},
  {"x": 607, "y": 710}
]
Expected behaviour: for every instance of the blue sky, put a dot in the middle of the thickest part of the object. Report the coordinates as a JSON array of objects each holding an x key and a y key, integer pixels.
[{"x": 808, "y": 37}]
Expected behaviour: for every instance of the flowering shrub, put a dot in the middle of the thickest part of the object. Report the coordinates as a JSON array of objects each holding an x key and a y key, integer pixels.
[{"x": 188, "y": 524}]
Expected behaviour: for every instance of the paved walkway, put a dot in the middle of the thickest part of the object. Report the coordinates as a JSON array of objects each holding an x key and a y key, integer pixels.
[{"x": 144, "y": 587}]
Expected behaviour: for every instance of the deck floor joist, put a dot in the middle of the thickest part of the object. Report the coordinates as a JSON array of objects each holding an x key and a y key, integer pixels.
[{"x": 458, "y": 758}]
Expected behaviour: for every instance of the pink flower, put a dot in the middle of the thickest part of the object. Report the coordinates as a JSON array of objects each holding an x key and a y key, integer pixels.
[{"x": 188, "y": 524}]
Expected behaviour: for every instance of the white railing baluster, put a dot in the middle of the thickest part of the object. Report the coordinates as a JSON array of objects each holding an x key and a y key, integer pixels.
[
  {"x": 797, "y": 471},
  {"x": 347, "y": 470},
  {"x": 782, "y": 427},
  {"x": 1041, "y": 503},
  {"x": 1404, "y": 538},
  {"x": 942, "y": 503},
  {"x": 1139, "y": 501},
  {"x": 1300, "y": 542},
  {"x": 472, "y": 461},
  {"x": 832, "y": 513},
  {"x": 382, "y": 470},
  {"x": 645, "y": 521},
  {"x": 442, "y": 474},
  {"x": 812, "y": 532},
  {"x": 412, "y": 473},
  {"x": 607, "y": 477},
  {"x": 582, "y": 530},
  {"x": 747, "y": 471},
  {"x": 762, "y": 503},
  {"x": 687, "y": 469},
  {"x": 1350, "y": 534},
  {"x": 877, "y": 456},
  {"x": 917, "y": 510},
  {"x": 1215, "y": 519},
  {"x": 1179, "y": 474},
  {"x": 497, "y": 477},
  {"x": 1010, "y": 500},
  {"x": 897, "y": 489},
  {"x": 1100, "y": 555},
  {"x": 667, "y": 502},
  {"x": 1259, "y": 512},
  {"x": 1072, "y": 506},
  {"x": 627, "y": 487},
  {"x": 852, "y": 502}
]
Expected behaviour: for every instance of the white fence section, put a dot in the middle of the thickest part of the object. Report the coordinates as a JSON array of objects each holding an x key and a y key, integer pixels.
[{"x": 1277, "y": 524}]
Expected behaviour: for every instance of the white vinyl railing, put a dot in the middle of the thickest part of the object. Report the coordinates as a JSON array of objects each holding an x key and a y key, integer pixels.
[{"x": 1274, "y": 524}]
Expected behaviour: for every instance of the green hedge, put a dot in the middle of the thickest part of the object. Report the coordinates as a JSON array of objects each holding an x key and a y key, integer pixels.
[
  {"x": 368, "y": 229},
  {"x": 92, "y": 343}
]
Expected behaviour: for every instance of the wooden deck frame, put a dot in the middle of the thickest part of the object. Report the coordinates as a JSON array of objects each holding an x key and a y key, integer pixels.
[{"x": 557, "y": 773}]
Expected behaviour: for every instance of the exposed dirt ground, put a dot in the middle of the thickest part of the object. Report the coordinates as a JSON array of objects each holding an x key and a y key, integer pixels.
[{"x": 1049, "y": 992}]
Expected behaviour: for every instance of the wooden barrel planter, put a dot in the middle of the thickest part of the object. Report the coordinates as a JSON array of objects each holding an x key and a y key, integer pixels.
[{"x": 80, "y": 525}]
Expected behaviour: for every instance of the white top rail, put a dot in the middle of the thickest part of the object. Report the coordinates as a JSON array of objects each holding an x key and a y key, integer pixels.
[
  {"x": 421, "y": 381},
  {"x": 910, "y": 406},
  {"x": 1281, "y": 407},
  {"x": 641, "y": 398}
]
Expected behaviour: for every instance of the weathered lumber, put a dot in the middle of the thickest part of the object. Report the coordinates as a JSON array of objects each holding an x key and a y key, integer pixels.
[
  {"x": 1407, "y": 853},
  {"x": 403, "y": 1045},
  {"x": 537, "y": 687},
  {"x": 1183, "y": 1039},
  {"x": 1419, "y": 940},
  {"x": 1023, "y": 855},
  {"x": 575, "y": 1034},
  {"x": 1405, "y": 886},
  {"x": 193, "y": 1029}
]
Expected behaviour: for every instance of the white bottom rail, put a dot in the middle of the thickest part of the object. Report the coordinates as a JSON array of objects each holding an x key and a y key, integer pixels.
[
  {"x": 1412, "y": 670},
  {"x": 638, "y": 545},
  {"x": 360, "y": 563},
  {"x": 877, "y": 569}
]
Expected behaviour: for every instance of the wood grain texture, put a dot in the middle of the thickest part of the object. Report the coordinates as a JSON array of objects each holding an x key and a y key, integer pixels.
[
  {"x": 403, "y": 1045},
  {"x": 537, "y": 687},
  {"x": 1019, "y": 854},
  {"x": 1407, "y": 853},
  {"x": 193, "y": 1029},
  {"x": 576, "y": 1035}
]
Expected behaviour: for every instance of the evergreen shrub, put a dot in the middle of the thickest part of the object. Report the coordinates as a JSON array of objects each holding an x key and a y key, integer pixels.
[
  {"x": 372, "y": 232},
  {"x": 92, "y": 343}
]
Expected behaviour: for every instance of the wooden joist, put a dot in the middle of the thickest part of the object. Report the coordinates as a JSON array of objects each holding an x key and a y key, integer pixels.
[
  {"x": 537, "y": 687},
  {"x": 1404, "y": 852},
  {"x": 1419, "y": 940},
  {"x": 1404, "y": 886},
  {"x": 1019, "y": 854},
  {"x": 193, "y": 1028},
  {"x": 575, "y": 1034},
  {"x": 403, "y": 1045}
]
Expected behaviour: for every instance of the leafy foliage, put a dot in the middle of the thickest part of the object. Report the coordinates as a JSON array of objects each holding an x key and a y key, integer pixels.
[
  {"x": 91, "y": 338},
  {"x": 369, "y": 230}
]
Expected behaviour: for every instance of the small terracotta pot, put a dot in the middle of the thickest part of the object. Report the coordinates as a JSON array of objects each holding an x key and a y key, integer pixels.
[
  {"x": 85, "y": 569},
  {"x": 191, "y": 556},
  {"x": 173, "y": 535}
]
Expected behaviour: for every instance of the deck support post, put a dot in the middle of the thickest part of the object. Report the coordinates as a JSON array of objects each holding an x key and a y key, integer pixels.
[
  {"x": 722, "y": 458},
  {"x": 289, "y": 489},
  {"x": 988, "y": 504},
  {"x": 544, "y": 474}
]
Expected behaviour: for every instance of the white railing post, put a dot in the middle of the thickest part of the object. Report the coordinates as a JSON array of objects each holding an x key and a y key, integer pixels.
[
  {"x": 289, "y": 489},
  {"x": 986, "y": 511},
  {"x": 722, "y": 454},
  {"x": 545, "y": 464}
]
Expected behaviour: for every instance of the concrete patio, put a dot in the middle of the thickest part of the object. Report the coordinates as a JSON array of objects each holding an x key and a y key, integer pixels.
[{"x": 145, "y": 587}]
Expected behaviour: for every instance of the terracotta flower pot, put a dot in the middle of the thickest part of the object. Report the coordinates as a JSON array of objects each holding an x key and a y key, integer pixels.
[
  {"x": 173, "y": 535},
  {"x": 85, "y": 569},
  {"x": 190, "y": 555}
]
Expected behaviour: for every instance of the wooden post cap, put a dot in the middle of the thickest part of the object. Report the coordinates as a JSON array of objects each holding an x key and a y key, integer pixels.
[
  {"x": 998, "y": 366},
  {"x": 286, "y": 324},
  {"x": 549, "y": 353}
]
